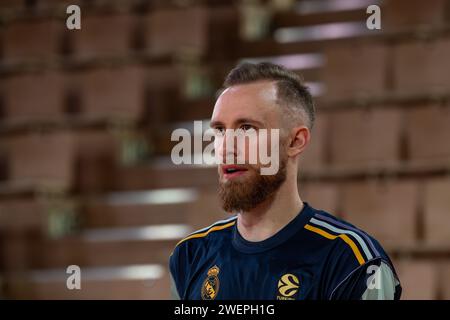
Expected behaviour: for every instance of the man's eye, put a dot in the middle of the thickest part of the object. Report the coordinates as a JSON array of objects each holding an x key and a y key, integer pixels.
[
  {"x": 219, "y": 130},
  {"x": 247, "y": 127}
]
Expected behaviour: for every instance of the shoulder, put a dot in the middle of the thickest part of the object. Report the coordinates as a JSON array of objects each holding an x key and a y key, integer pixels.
[
  {"x": 198, "y": 239},
  {"x": 191, "y": 250},
  {"x": 353, "y": 241},
  {"x": 353, "y": 257},
  {"x": 216, "y": 229}
]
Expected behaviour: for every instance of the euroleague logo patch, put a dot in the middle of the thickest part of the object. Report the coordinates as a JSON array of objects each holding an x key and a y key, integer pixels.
[
  {"x": 288, "y": 286},
  {"x": 210, "y": 286}
]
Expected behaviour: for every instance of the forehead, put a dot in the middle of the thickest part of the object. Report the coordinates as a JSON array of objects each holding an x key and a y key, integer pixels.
[{"x": 255, "y": 101}]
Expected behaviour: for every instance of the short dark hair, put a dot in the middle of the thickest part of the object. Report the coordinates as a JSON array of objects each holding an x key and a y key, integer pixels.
[{"x": 291, "y": 90}]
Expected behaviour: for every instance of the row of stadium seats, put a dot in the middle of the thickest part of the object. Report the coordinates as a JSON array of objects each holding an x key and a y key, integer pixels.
[{"x": 86, "y": 117}]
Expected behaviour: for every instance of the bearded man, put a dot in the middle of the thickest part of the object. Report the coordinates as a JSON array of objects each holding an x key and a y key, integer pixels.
[{"x": 275, "y": 246}]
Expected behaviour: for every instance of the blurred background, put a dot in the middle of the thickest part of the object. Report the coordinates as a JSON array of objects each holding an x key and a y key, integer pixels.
[{"x": 86, "y": 118}]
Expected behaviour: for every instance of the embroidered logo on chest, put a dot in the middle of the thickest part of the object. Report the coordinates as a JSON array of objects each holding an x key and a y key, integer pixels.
[
  {"x": 288, "y": 286},
  {"x": 210, "y": 286}
]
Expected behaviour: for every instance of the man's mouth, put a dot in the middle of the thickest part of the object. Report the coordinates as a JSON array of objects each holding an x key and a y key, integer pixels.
[{"x": 233, "y": 171}]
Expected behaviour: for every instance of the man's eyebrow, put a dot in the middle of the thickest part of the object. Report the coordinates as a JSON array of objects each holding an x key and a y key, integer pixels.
[
  {"x": 247, "y": 120},
  {"x": 216, "y": 123},
  {"x": 213, "y": 124}
]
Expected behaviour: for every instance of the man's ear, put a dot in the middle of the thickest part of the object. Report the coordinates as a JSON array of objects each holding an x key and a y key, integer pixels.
[{"x": 299, "y": 137}]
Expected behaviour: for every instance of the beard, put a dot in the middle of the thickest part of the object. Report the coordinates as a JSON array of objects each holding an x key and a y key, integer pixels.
[{"x": 238, "y": 195}]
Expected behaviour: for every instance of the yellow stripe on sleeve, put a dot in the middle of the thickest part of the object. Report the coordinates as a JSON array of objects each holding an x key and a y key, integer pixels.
[
  {"x": 344, "y": 237},
  {"x": 204, "y": 234}
]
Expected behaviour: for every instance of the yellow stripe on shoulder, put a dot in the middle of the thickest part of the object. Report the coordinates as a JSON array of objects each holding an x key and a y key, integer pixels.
[
  {"x": 344, "y": 237},
  {"x": 205, "y": 233}
]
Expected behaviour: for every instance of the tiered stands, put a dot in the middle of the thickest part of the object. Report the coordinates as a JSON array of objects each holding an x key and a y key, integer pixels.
[{"x": 86, "y": 117}]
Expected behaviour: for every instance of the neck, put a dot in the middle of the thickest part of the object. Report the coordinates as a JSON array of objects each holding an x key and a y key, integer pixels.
[{"x": 272, "y": 215}]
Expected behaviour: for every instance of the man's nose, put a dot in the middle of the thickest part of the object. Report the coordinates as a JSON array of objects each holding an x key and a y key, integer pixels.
[{"x": 226, "y": 149}]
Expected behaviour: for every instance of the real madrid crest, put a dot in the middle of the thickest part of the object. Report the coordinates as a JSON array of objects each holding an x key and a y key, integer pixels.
[{"x": 210, "y": 286}]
